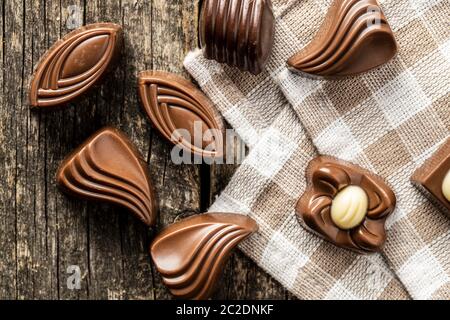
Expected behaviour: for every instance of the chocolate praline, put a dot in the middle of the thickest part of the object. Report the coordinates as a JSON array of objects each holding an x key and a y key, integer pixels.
[
  {"x": 354, "y": 38},
  {"x": 346, "y": 204},
  {"x": 75, "y": 64},
  {"x": 190, "y": 254},
  {"x": 176, "y": 108},
  {"x": 108, "y": 168},
  {"x": 238, "y": 32},
  {"x": 433, "y": 177}
]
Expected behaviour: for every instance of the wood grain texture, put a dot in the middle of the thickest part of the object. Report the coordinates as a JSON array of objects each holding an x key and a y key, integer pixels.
[{"x": 43, "y": 232}]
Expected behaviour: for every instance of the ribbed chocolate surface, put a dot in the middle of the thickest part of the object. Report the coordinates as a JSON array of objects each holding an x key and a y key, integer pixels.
[
  {"x": 172, "y": 103},
  {"x": 354, "y": 38},
  {"x": 75, "y": 64},
  {"x": 108, "y": 168},
  {"x": 191, "y": 254},
  {"x": 238, "y": 32}
]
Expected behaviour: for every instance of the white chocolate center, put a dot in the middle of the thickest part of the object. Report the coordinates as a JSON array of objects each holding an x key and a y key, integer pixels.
[
  {"x": 446, "y": 186},
  {"x": 349, "y": 207}
]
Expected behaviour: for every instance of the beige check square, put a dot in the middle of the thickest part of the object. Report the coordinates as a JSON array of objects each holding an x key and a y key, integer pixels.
[
  {"x": 379, "y": 124},
  {"x": 417, "y": 134},
  {"x": 440, "y": 108},
  {"x": 402, "y": 232},
  {"x": 415, "y": 42},
  {"x": 351, "y": 93},
  {"x": 433, "y": 19},
  {"x": 429, "y": 233}
]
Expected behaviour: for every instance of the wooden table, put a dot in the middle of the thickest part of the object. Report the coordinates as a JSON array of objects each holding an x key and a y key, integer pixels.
[{"x": 42, "y": 232}]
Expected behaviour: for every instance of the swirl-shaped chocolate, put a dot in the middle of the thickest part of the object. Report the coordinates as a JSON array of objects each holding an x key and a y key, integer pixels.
[
  {"x": 361, "y": 201},
  {"x": 108, "y": 168},
  {"x": 181, "y": 112},
  {"x": 238, "y": 32},
  {"x": 75, "y": 64},
  {"x": 191, "y": 254},
  {"x": 354, "y": 38}
]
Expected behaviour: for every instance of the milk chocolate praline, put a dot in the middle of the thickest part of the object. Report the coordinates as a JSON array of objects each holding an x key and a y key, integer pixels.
[
  {"x": 433, "y": 177},
  {"x": 108, "y": 168},
  {"x": 74, "y": 64},
  {"x": 238, "y": 32},
  {"x": 346, "y": 204},
  {"x": 190, "y": 254},
  {"x": 176, "y": 107},
  {"x": 354, "y": 38}
]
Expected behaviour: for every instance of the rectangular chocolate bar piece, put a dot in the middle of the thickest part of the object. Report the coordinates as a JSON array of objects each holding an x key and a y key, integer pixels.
[{"x": 434, "y": 176}]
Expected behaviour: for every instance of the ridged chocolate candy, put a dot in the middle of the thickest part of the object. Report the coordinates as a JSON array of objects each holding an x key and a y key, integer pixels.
[
  {"x": 74, "y": 64},
  {"x": 108, "y": 168},
  {"x": 354, "y": 38},
  {"x": 191, "y": 254},
  {"x": 238, "y": 32},
  {"x": 174, "y": 105}
]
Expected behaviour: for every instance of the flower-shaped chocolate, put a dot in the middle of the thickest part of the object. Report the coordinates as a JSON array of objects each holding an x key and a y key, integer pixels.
[{"x": 346, "y": 204}]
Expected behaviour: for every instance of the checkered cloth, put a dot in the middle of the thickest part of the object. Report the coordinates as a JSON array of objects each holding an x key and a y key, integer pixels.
[{"x": 388, "y": 121}]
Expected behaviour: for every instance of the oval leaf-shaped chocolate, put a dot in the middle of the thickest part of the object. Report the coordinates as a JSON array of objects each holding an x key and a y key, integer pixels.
[
  {"x": 354, "y": 38},
  {"x": 191, "y": 254},
  {"x": 107, "y": 167},
  {"x": 75, "y": 64},
  {"x": 182, "y": 113}
]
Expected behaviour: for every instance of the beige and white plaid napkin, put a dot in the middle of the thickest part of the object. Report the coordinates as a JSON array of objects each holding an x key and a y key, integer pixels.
[{"x": 389, "y": 121}]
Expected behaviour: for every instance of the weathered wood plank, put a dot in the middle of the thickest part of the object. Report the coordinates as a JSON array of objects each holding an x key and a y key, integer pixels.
[
  {"x": 136, "y": 19},
  {"x": 10, "y": 80},
  {"x": 66, "y": 126},
  {"x": 106, "y": 272},
  {"x": 174, "y": 33}
]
